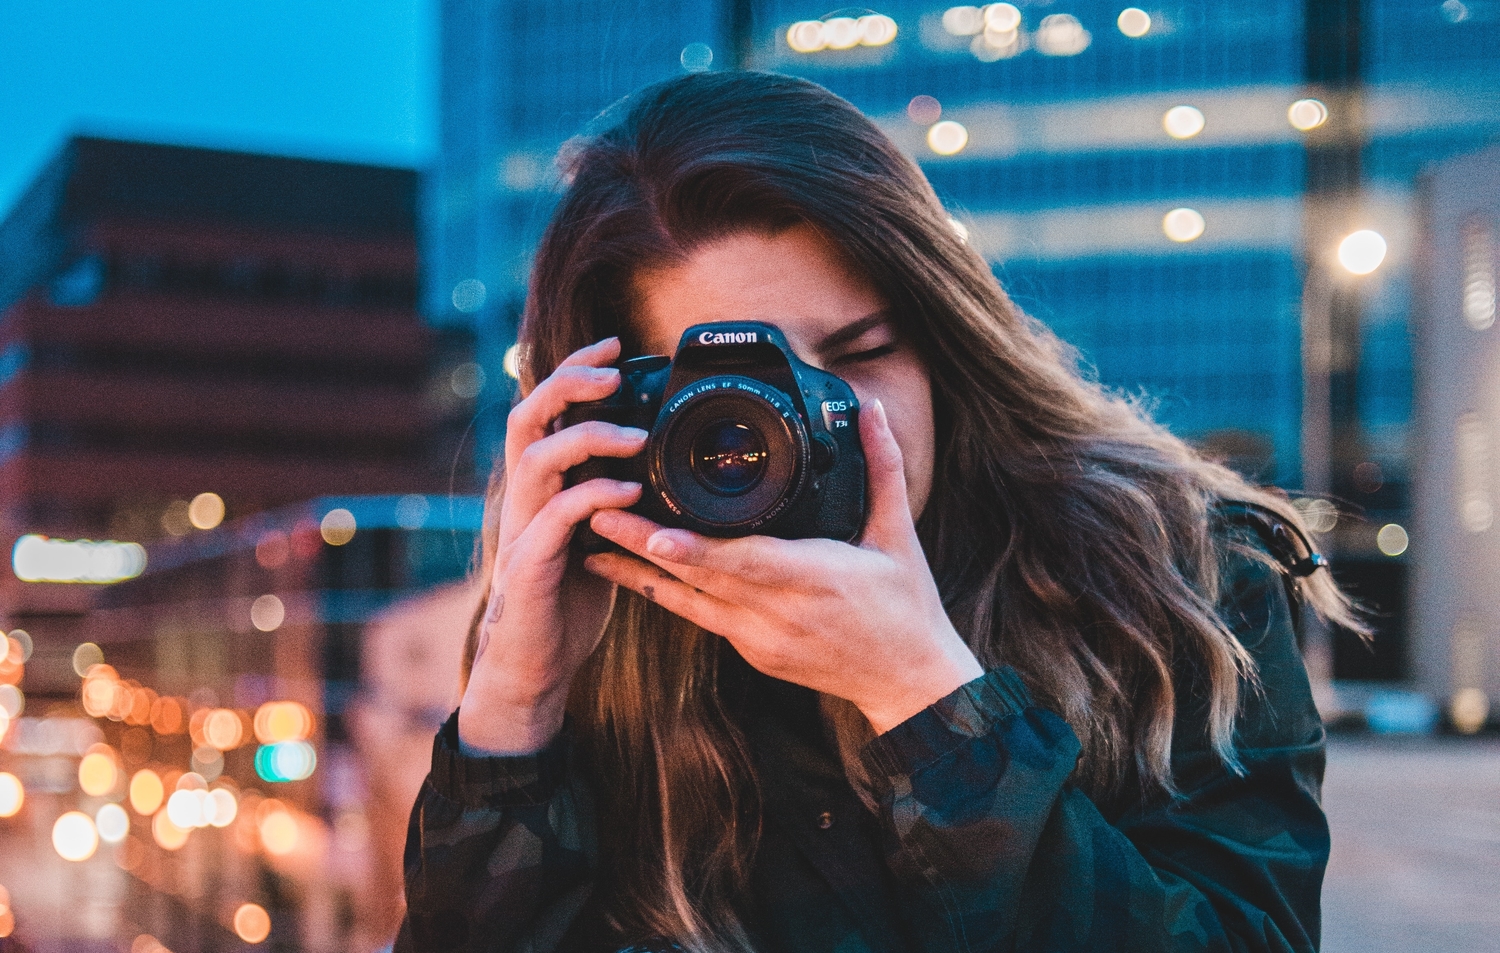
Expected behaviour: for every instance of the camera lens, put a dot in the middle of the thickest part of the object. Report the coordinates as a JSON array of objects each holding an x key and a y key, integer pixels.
[
  {"x": 728, "y": 457},
  {"x": 730, "y": 454}
]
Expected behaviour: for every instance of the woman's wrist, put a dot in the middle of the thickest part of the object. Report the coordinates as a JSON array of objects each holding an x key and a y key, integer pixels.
[
  {"x": 922, "y": 688},
  {"x": 498, "y": 728}
]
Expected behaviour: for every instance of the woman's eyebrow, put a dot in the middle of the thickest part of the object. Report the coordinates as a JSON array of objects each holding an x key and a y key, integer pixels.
[{"x": 852, "y": 331}]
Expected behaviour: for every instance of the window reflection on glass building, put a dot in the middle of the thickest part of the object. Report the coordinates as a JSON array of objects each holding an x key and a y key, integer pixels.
[{"x": 1165, "y": 185}]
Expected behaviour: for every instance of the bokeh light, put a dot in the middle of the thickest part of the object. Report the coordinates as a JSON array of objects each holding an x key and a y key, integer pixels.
[
  {"x": 252, "y": 923},
  {"x": 1469, "y": 710},
  {"x": 947, "y": 138},
  {"x": 223, "y": 729},
  {"x": 286, "y": 761},
  {"x": 224, "y": 807},
  {"x": 177, "y": 520},
  {"x": 696, "y": 57},
  {"x": 267, "y": 613},
  {"x": 1183, "y": 224},
  {"x": 40, "y": 559},
  {"x": 1134, "y": 22},
  {"x": 146, "y": 791},
  {"x": 166, "y": 716},
  {"x": 112, "y": 823},
  {"x": 805, "y": 36},
  {"x": 466, "y": 380},
  {"x": 840, "y": 33},
  {"x": 337, "y": 527},
  {"x": 168, "y": 836},
  {"x": 206, "y": 511},
  {"x": 282, "y": 721},
  {"x": 12, "y": 794},
  {"x": 1307, "y": 114},
  {"x": 511, "y": 362},
  {"x": 97, "y": 773},
  {"x": 1362, "y": 252},
  {"x": 963, "y": 21},
  {"x": 85, "y": 657},
  {"x": 185, "y": 809},
  {"x": 1061, "y": 34},
  {"x": 1183, "y": 122},
  {"x": 876, "y": 29},
  {"x": 1392, "y": 539},
  {"x": 74, "y": 836},
  {"x": 278, "y": 832},
  {"x": 924, "y": 110},
  {"x": 1002, "y": 18},
  {"x": 12, "y": 703},
  {"x": 469, "y": 295}
]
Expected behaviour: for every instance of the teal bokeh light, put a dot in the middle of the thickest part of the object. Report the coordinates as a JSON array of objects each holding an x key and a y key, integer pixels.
[{"x": 286, "y": 761}]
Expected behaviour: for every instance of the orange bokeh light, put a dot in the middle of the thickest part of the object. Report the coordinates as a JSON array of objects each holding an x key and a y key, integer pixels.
[
  {"x": 222, "y": 729},
  {"x": 146, "y": 791},
  {"x": 252, "y": 923},
  {"x": 282, "y": 721}
]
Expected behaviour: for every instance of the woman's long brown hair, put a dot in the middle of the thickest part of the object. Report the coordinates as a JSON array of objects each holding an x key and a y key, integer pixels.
[{"x": 1068, "y": 533}]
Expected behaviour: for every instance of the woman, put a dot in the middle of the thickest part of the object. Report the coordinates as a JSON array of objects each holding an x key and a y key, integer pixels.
[{"x": 1049, "y": 700}]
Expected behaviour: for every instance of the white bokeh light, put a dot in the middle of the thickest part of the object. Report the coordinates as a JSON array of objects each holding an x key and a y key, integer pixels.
[
  {"x": 1362, "y": 252},
  {"x": 1183, "y": 122},
  {"x": 1183, "y": 224}
]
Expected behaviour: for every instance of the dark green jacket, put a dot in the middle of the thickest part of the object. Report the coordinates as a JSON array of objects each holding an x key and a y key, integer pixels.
[{"x": 980, "y": 842}]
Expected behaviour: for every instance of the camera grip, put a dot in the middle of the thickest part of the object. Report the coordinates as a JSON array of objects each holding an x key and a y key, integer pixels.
[{"x": 585, "y": 540}]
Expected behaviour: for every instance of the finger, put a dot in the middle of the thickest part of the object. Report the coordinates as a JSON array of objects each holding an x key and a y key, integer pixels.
[
  {"x": 532, "y": 418},
  {"x": 889, "y": 522},
  {"x": 667, "y": 591},
  {"x": 539, "y": 472},
  {"x": 598, "y": 354},
  {"x": 632, "y": 532},
  {"x": 728, "y": 568},
  {"x": 545, "y": 539}
]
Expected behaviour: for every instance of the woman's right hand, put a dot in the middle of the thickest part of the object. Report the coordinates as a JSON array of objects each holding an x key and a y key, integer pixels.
[{"x": 546, "y": 613}]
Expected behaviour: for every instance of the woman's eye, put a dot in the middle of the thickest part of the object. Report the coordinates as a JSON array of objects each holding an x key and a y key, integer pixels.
[{"x": 859, "y": 357}]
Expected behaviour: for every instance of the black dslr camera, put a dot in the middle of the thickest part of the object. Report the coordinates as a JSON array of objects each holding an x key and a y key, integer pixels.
[{"x": 745, "y": 439}]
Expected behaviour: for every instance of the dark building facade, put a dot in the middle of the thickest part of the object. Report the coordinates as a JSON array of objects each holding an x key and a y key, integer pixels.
[{"x": 184, "y": 321}]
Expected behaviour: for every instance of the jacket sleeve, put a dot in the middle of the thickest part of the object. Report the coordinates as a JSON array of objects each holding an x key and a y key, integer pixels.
[
  {"x": 1000, "y": 852},
  {"x": 497, "y": 852}
]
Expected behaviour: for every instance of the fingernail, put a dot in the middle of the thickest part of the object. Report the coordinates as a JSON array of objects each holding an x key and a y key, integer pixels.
[
  {"x": 604, "y": 373},
  {"x": 659, "y": 545},
  {"x": 634, "y": 433},
  {"x": 879, "y": 409},
  {"x": 627, "y": 486}
]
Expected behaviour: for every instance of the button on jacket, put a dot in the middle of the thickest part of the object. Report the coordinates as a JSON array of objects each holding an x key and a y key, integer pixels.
[{"x": 978, "y": 840}]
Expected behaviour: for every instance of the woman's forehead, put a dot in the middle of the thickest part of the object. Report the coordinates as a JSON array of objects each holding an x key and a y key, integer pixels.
[{"x": 795, "y": 279}]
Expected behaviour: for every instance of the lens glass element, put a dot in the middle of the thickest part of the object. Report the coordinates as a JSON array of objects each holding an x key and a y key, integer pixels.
[{"x": 729, "y": 457}]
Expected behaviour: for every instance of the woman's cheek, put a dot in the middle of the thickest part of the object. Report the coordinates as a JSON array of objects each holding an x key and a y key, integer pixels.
[{"x": 900, "y": 382}]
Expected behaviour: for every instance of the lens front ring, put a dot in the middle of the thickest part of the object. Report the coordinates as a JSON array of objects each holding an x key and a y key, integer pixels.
[{"x": 732, "y": 455}]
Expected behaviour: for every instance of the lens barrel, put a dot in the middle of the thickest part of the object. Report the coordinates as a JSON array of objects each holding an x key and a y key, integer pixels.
[{"x": 732, "y": 455}]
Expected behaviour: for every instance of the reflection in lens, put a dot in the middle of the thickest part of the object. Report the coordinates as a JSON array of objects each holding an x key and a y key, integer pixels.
[{"x": 729, "y": 457}]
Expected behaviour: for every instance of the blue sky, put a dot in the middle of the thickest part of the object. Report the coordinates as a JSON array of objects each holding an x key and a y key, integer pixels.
[{"x": 338, "y": 79}]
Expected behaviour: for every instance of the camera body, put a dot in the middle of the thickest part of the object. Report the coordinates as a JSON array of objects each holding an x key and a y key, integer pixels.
[{"x": 744, "y": 439}]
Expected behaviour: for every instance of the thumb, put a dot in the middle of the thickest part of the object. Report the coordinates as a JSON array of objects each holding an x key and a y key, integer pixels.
[{"x": 889, "y": 524}]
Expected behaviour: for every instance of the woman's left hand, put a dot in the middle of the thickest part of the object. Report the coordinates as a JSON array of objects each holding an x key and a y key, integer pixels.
[{"x": 861, "y": 622}]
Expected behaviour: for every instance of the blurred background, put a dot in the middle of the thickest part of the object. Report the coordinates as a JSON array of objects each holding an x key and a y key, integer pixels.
[{"x": 260, "y": 272}]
